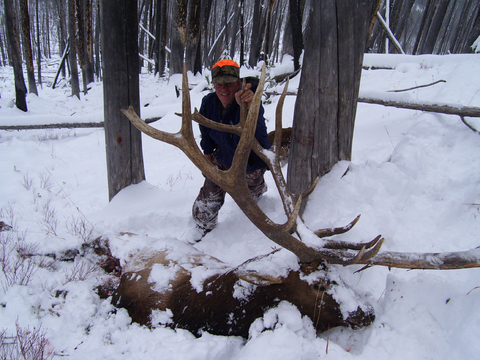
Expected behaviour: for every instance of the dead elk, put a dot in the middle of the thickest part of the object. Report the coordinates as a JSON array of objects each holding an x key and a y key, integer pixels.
[{"x": 228, "y": 301}]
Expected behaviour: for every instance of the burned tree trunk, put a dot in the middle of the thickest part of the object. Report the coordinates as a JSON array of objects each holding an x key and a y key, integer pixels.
[
  {"x": 120, "y": 90},
  {"x": 13, "y": 39}
]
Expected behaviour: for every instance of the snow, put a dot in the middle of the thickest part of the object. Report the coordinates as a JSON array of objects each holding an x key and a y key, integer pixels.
[{"x": 414, "y": 178}]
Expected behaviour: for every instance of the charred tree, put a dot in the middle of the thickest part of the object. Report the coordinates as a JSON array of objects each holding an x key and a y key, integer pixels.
[
  {"x": 27, "y": 47},
  {"x": 13, "y": 40},
  {"x": 121, "y": 90},
  {"x": 324, "y": 114}
]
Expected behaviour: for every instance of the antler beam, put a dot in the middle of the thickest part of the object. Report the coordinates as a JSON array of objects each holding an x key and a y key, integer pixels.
[{"x": 234, "y": 183}]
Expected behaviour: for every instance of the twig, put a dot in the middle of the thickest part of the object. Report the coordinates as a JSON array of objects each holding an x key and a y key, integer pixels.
[
  {"x": 418, "y": 87},
  {"x": 469, "y": 126}
]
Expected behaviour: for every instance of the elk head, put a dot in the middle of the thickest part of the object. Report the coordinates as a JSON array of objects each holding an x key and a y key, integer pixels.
[
  {"x": 201, "y": 293},
  {"x": 309, "y": 246}
]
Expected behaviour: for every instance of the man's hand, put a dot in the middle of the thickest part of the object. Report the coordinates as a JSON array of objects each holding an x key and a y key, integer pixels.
[{"x": 245, "y": 95}]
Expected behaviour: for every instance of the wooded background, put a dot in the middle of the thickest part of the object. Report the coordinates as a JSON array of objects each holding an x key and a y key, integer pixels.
[
  {"x": 246, "y": 30},
  {"x": 332, "y": 35}
]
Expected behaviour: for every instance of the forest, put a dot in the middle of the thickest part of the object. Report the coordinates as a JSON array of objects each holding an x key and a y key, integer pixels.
[{"x": 206, "y": 30}]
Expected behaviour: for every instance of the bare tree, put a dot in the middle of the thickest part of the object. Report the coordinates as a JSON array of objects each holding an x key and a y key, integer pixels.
[
  {"x": 120, "y": 90},
  {"x": 325, "y": 109},
  {"x": 193, "y": 37},
  {"x": 72, "y": 56},
  {"x": 179, "y": 24},
  {"x": 296, "y": 29},
  {"x": 27, "y": 47},
  {"x": 13, "y": 39},
  {"x": 161, "y": 37}
]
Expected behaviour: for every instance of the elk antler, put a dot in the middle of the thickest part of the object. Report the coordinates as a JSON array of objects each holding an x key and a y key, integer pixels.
[{"x": 233, "y": 181}]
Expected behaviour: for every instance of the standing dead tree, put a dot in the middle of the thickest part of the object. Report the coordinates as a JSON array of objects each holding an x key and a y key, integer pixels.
[{"x": 13, "y": 40}]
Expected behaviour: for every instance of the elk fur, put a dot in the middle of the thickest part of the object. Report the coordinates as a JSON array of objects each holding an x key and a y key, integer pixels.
[{"x": 225, "y": 300}]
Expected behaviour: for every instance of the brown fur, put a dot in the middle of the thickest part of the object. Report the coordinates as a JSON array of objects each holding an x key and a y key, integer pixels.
[
  {"x": 216, "y": 310},
  {"x": 284, "y": 143}
]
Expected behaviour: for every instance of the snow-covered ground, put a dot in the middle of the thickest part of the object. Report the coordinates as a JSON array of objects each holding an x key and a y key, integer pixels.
[{"x": 414, "y": 177}]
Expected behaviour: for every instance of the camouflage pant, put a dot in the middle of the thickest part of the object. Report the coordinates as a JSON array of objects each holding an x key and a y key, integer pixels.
[{"x": 211, "y": 198}]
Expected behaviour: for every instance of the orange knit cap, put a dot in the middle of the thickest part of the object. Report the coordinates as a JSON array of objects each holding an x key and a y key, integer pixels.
[{"x": 226, "y": 62}]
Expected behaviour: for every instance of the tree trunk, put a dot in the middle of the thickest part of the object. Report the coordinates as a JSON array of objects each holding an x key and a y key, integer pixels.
[
  {"x": 242, "y": 32},
  {"x": 72, "y": 55},
  {"x": 192, "y": 41},
  {"x": 15, "y": 54},
  {"x": 120, "y": 90},
  {"x": 161, "y": 35},
  {"x": 327, "y": 96},
  {"x": 80, "y": 41},
  {"x": 98, "y": 67},
  {"x": 62, "y": 31},
  {"x": 257, "y": 34},
  {"x": 296, "y": 29},
  {"x": 179, "y": 23},
  {"x": 39, "y": 48},
  {"x": 88, "y": 42},
  {"x": 27, "y": 47}
]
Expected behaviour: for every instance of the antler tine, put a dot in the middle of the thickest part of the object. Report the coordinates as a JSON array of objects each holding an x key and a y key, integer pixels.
[
  {"x": 321, "y": 233},
  {"x": 278, "y": 121},
  {"x": 186, "y": 129},
  {"x": 243, "y": 107},
  {"x": 239, "y": 162}
]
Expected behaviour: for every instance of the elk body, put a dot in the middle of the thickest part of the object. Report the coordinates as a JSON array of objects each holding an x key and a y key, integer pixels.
[{"x": 225, "y": 300}]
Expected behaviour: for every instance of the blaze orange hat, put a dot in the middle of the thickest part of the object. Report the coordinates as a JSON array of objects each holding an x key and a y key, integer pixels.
[{"x": 225, "y": 71}]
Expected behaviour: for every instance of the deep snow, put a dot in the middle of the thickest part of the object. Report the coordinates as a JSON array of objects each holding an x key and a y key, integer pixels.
[{"x": 414, "y": 177}]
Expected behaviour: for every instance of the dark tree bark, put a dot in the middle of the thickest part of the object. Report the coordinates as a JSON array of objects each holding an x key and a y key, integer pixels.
[
  {"x": 72, "y": 54},
  {"x": 62, "y": 30},
  {"x": 179, "y": 24},
  {"x": 193, "y": 38},
  {"x": 89, "y": 69},
  {"x": 257, "y": 34},
  {"x": 39, "y": 48},
  {"x": 13, "y": 40},
  {"x": 2, "y": 50},
  {"x": 98, "y": 68},
  {"x": 27, "y": 47},
  {"x": 120, "y": 90},
  {"x": 242, "y": 32},
  {"x": 296, "y": 29},
  {"x": 324, "y": 115},
  {"x": 161, "y": 37},
  {"x": 80, "y": 41}
]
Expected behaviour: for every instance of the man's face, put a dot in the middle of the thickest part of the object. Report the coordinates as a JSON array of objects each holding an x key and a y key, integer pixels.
[{"x": 226, "y": 92}]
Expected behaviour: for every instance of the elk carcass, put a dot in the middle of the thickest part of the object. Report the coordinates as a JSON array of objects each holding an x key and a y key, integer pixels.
[{"x": 201, "y": 293}]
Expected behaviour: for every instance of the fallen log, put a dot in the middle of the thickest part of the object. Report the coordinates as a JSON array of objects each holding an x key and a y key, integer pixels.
[
  {"x": 466, "y": 111},
  {"x": 63, "y": 125}
]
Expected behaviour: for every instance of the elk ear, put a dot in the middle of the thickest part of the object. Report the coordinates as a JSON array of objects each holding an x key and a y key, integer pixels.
[{"x": 255, "y": 278}]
